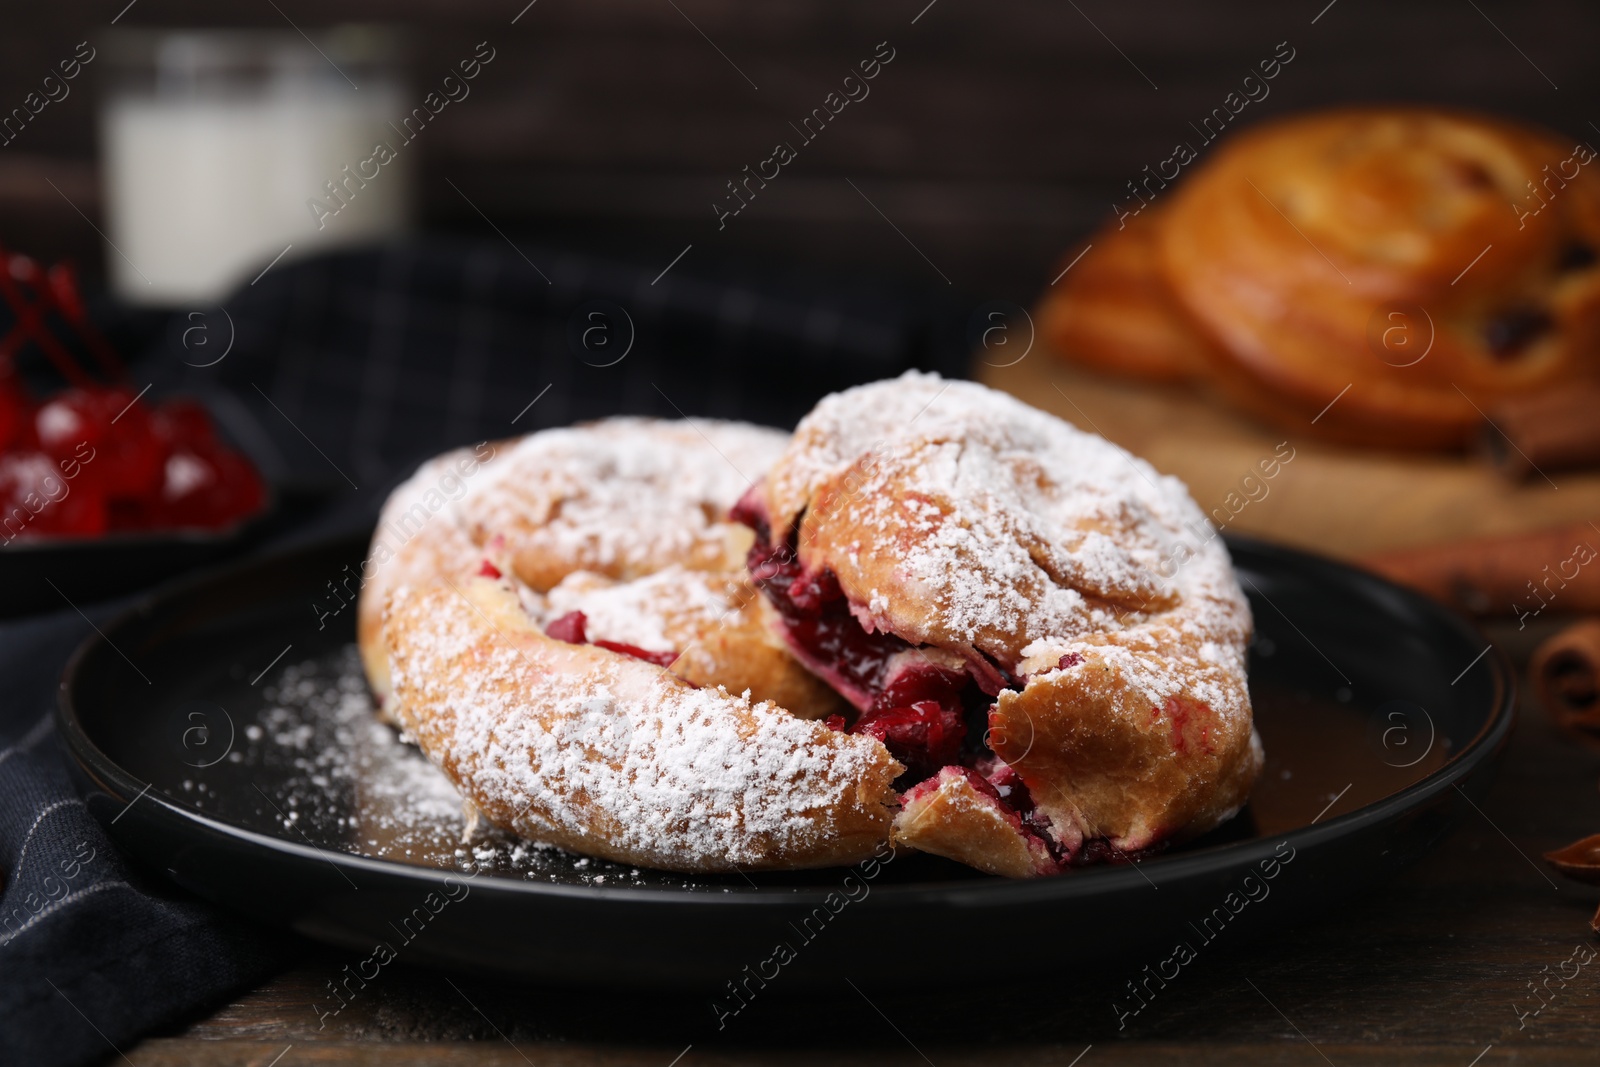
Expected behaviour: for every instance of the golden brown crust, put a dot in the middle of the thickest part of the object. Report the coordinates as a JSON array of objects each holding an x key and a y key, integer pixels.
[
  {"x": 1416, "y": 263},
  {"x": 947, "y": 816},
  {"x": 611, "y": 756},
  {"x": 413, "y": 549},
  {"x": 1112, "y": 311},
  {"x": 1106, "y": 755},
  {"x": 1299, "y": 240},
  {"x": 959, "y": 518},
  {"x": 952, "y": 515},
  {"x": 715, "y": 620},
  {"x": 627, "y": 517}
]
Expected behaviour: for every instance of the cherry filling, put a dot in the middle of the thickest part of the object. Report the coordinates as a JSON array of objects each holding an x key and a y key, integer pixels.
[
  {"x": 924, "y": 736},
  {"x": 1006, "y": 789},
  {"x": 569, "y": 628},
  {"x": 915, "y": 707},
  {"x": 572, "y": 628},
  {"x": 928, "y": 715},
  {"x": 817, "y": 621}
]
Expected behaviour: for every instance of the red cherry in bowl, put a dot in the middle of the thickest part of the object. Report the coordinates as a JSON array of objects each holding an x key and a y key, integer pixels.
[
  {"x": 16, "y": 415},
  {"x": 184, "y": 423},
  {"x": 37, "y": 499}
]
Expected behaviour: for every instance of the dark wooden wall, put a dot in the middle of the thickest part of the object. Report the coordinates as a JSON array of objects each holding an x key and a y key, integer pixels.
[{"x": 1000, "y": 133}]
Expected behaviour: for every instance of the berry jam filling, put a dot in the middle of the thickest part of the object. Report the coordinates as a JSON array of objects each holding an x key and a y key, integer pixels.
[
  {"x": 569, "y": 628},
  {"x": 572, "y": 628},
  {"x": 929, "y": 714},
  {"x": 1012, "y": 792},
  {"x": 924, "y": 735},
  {"x": 930, "y": 709},
  {"x": 1004, "y": 787},
  {"x": 911, "y": 704},
  {"x": 817, "y": 621}
]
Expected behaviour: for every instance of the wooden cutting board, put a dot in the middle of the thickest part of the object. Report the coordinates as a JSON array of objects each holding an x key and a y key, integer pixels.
[{"x": 1329, "y": 498}]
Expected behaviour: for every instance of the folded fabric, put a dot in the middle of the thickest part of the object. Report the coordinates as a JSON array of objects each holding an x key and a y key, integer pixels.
[{"x": 92, "y": 952}]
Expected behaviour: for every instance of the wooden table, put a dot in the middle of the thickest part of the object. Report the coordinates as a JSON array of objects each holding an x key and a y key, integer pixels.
[
  {"x": 1327, "y": 498},
  {"x": 1423, "y": 970}
]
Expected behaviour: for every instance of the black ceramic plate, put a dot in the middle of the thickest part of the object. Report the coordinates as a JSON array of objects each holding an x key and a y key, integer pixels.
[{"x": 224, "y": 737}]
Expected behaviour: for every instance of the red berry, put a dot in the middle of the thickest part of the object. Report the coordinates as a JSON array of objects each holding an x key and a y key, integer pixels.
[
  {"x": 133, "y": 454},
  {"x": 185, "y": 423},
  {"x": 109, "y": 424},
  {"x": 68, "y": 419},
  {"x": 569, "y": 628},
  {"x": 924, "y": 736},
  {"x": 242, "y": 493},
  {"x": 125, "y": 466},
  {"x": 38, "y": 499},
  {"x": 82, "y": 512},
  {"x": 190, "y": 491}
]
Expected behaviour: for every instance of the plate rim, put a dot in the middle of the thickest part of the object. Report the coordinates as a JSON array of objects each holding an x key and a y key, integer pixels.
[{"x": 1462, "y": 764}]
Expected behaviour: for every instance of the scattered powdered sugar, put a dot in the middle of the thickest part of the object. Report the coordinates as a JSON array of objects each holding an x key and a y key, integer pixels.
[
  {"x": 619, "y": 499},
  {"x": 317, "y": 731},
  {"x": 1157, "y": 663},
  {"x": 331, "y": 771},
  {"x": 617, "y": 753},
  {"x": 642, "y": 611},
  {"x": 999, "y": 523},
  {"x": 624, "y": 496}
]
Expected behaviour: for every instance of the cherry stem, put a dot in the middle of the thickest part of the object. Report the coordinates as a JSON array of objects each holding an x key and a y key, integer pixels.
[
  {"x": 31, "y": 323},
  {"x": 62, "y": 286}
]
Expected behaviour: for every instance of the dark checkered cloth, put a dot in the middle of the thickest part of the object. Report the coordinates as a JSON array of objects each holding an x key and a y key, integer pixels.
[
  {"x": 343, "y": 373},
  {"x": 375, "y": 361}
]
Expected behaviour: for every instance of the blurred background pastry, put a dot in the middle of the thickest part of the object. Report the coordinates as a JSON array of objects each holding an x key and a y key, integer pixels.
[{"x": 1418, "y": 264}]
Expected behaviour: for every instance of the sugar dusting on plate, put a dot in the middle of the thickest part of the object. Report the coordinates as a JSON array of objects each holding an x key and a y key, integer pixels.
[{"x": 331, "y": 774}]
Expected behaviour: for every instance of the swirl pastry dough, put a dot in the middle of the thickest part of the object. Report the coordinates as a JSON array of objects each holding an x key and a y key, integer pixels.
[
  {"x": 1011, "y": 655},
  {"x": 1018, "y": 610},
  {"x": 1431, "y": 261}
]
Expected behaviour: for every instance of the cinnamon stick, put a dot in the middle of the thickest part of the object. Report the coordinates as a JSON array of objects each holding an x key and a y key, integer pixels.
[
  {"x": 1579, "y": 861},
  {"x": 1565, "y": 672},
  {"x": 1522, "y": 575},
  {"x": 1546, "y": 431}
]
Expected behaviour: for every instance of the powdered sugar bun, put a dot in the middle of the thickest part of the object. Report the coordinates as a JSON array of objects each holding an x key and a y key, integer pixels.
[
  {"x": 611, "y": 756},
  {"x": 717, "y": 621},
  {"x": 415, "y": 544},
  {"x": 622, "y": 497},
  {"x": 623, "y": 520},
  {"x": 935, "y": 552},
  {"x": 1085, "y": 592}
]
